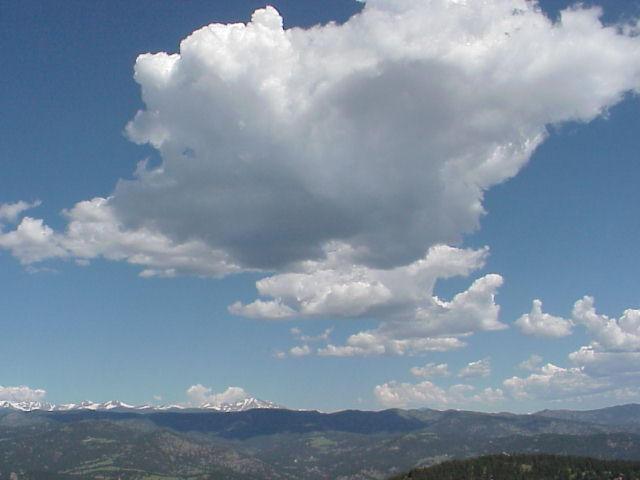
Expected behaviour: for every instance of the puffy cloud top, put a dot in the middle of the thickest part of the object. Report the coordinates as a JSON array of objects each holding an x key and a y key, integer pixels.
[
  {"x": 11, "y": 211},
  {"x": 542, "y": 324},
  {"x": 610, "y": 334},
  {"x": 200, "y": 395},
  {"x": 414, "y": 320},
  {"x": 382, "y": 132}
]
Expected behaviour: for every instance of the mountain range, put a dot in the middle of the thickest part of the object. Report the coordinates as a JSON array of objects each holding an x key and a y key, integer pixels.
[
  {"x": 279, "y": 444},
  {"x": 118, "y": 406}
]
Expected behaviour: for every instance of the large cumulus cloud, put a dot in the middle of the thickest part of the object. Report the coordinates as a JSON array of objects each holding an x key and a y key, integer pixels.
[{"x": 382, "y": 133}]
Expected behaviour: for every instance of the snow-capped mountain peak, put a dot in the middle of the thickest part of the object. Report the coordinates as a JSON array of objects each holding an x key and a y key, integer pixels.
[
  {"x": 239, "y": 406},
  {"x": 27, "y": 405},
  {"x": 116, "y": 405}
]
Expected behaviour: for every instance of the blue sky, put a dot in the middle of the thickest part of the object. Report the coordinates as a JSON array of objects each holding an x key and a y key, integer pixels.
[{"x": 561, "y": 221}]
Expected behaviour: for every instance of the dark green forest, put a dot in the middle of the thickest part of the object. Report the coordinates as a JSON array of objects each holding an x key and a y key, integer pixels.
[{"x": 527, "y": 467}]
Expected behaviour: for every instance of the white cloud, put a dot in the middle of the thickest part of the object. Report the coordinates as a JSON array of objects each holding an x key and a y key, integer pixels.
[
  {"x": 304, "y": 349},
  {"x": 608, "y": 364},
  {"x": 10, "y": 212},
  {"x": 382, "y": 133},
  {"x": 554, "y": 383},
  {"x": 339, "y": 287},
  {"x": 431, "y": 370},
  {"x": 22, "y": 393},
  {"x": 595, "y": 375},
  {"x": 200, "y": 395},
  {"x": 427, "y": 394},
  {"x": 413, "y": 319},
  {"x": 383, "y": 342},
  {"x": 608, "y": 367},
  {"x": 300, "y": 351},
  {"x": 479, "y": 368},
  {"x": 93, "y": 231},
  {"x": 610, "y": 334},
  {"x": 353, "y": 132},
  {"x": 33, "y": 241},
  {"x": 542, "y": 324},
  {"x": 271, "y": 309},
  {"x": 436, "y": 328},
  {"x": 531, "y": 364}
]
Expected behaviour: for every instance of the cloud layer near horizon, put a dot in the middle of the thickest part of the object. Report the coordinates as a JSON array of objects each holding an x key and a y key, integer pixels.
[
  {"x": 21, "y": 393},
  {"x": 607, "y": 368}
]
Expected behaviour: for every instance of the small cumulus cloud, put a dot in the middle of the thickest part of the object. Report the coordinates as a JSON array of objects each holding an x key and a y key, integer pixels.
[
  {"x": 610, "y": 334},
  {"x": 200, "y": 395},
  {"x": 431, "y": 370},
  {"x": 531, "y": 364},
  {"x": 479, "y": 368},
  {"x": 300, "y": 351},
  {"x": 542, "y": 324}
]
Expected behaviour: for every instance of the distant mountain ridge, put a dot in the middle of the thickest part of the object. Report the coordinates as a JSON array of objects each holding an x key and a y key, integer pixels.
[
  {"x": 118, "y": 441},
  {"x": 118, "y": 406},
  {"x": 619, "y": 415}
]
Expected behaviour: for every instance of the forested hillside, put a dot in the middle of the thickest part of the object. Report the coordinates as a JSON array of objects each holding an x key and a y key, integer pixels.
[{"x": 527, "y": 467}]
